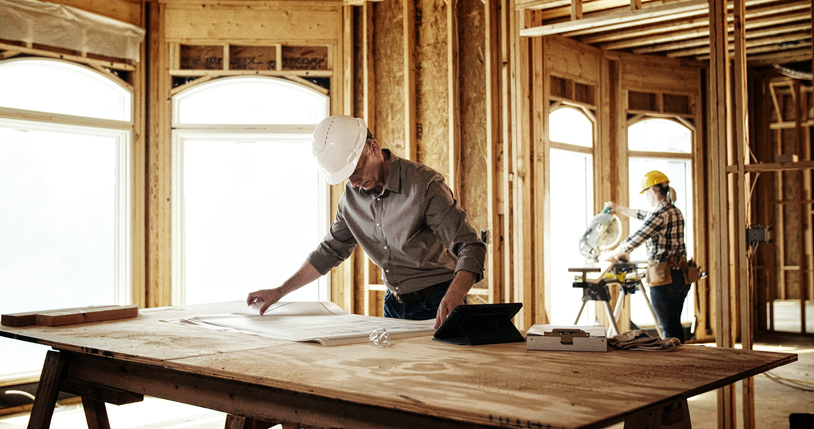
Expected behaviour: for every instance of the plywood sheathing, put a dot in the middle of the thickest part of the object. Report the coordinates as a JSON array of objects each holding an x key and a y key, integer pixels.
[
  {"x": 129, "y": 11},
  {"x": 389, "y": 76},
  {"x": 431, "y": 103},
  {"x": 471, "y": 78}
]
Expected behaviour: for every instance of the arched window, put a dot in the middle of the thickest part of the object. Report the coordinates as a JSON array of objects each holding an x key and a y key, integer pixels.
[
  {"x": 571, "y": 135},
  {"x": 664, "y": 145},
  {"x": 65, "y": 180},
  {"x": 248, "y": 201}
]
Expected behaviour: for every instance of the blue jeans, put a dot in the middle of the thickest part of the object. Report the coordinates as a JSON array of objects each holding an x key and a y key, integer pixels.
[
  {"x": 668, "y": 301},
  {"x": 419, "y": 310}
]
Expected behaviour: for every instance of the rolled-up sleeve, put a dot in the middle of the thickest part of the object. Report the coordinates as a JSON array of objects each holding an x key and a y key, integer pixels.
[
  {"x": 651, "y": 225},
  {"x": 337, "y": 246},
  {"x": 450, "y": 224}
]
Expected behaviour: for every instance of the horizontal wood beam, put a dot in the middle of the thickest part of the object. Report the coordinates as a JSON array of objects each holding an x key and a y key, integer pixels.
[
  {"x": 647, "y": 11},
  {"x": 799, "y": 29},
  {"x": 787, "y": 56},
  {"x": 773, "y": 166},
  {"x": 752, "y": 49},
  {"x": 698, "y": 21},
  {"x": 697, "y": 26}
]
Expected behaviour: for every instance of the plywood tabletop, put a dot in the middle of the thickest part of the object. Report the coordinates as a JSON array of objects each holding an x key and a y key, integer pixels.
[
  {"x": 492, "y": 384},
  {"x": 145, "y": 338}
]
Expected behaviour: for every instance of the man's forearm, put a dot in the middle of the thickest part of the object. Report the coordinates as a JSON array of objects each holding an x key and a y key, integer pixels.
[
  {"x": 461, "y": 284},
  {"x": 306, "y": 274}
]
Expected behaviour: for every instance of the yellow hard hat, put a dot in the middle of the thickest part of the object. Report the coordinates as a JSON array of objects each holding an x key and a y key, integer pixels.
[{"x": 653, "y": 178}]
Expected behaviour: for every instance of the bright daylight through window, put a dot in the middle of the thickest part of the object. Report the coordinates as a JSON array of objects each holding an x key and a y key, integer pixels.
[
  {"x": 249, "y": 202},
  {"x": 572, "y": 203},
  {"x": 64, "y": 195},
  {"x": 664, "y": 145}
]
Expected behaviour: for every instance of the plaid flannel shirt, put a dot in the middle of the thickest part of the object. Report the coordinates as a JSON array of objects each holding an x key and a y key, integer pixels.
[{"x": 662, "y": 231}]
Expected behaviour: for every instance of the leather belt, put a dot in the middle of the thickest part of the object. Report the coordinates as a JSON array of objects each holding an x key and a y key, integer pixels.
[{"x": 423, "y": 294}]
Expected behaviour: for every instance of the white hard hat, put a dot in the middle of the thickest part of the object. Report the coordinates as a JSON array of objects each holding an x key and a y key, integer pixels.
[{"x": 337, "y": 146}]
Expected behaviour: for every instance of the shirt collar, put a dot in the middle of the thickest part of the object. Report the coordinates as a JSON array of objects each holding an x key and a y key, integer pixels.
[{"x": 393, "y": 183}]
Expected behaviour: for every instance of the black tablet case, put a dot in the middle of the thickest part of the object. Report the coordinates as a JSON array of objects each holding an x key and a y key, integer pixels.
[{"x": 474, "y": 325}]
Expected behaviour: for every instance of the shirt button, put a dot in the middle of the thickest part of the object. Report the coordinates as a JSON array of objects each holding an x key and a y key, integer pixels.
[
  {"x": 378, "y": 199},
  {"x": 386, "y": 271},
  {"x": 378, "y": 225},
  {"x": 385, "y": 247}
]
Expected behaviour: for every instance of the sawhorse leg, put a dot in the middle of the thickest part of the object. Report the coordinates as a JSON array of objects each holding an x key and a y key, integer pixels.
[
  {"x": 53, "y": 374},
  {"x": 240, "y": 422},
  {"x": 95, "y": 414},
  {"x": 673, "y": 416}
]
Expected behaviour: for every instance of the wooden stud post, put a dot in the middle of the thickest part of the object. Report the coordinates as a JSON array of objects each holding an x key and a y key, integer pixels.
[
  {"x": 409, "y": 80},
  {"x": 494, "y": 208},
  {"x": 803, "y": 206},
  {"x": 741, "y": 193},
  {"x": 720, "y": 127},
  {"x": 507, "y": 93},
  {"x": 453, "y": 98},
  {"x": 344, "y": 295},
  {"x": 539, "y": 179},
  {"x": 576, "y": 10},
  {"x": 159, "y": 154},
  {"x": 523, "y": 177}
]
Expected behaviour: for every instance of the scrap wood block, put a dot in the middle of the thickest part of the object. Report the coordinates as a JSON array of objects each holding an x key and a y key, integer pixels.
[{"x": 70, "y": 316}]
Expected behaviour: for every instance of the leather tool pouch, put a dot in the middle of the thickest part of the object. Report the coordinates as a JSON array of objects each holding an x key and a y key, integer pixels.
[
  {"x": 658, "y": 273},
  {"x": 691, "y": 271}
]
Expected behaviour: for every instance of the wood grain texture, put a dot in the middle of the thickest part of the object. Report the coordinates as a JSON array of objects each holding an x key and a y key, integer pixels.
[
  {"x": 70, "y": 316},
  {"x": 561, "y": 389},
  {"x": 74, "y": 316},
  {"x": 146, "y": 337},
  {"x": 416, "y": 381}
]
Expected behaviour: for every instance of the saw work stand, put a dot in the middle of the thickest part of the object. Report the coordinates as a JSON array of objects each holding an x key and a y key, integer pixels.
[{"x": 596, "y": 289}]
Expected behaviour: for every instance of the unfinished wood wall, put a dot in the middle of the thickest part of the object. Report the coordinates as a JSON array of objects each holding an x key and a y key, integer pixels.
[
  {"x": 423, "y": 89},
  {"x": 783, "y": 197},
  {"x": 175, "y": 24},
  {"x": 450, "y": 84}
]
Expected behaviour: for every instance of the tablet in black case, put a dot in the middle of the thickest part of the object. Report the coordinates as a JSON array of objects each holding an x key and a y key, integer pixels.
[{"x": 474, "y": 325}]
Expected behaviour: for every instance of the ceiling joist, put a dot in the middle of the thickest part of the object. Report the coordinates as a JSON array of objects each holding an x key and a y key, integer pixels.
[{"x": 647, "y": 11}]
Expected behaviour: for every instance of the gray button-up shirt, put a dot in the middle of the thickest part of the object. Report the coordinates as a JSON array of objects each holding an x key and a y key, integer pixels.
[{"x": 414, "y": 230}]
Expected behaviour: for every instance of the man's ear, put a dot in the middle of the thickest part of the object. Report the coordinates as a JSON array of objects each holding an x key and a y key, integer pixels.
[{"x": 374, "y": 146}]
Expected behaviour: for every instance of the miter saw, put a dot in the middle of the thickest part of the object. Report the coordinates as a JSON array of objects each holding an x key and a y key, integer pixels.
[{"x": 603, "y": 233}]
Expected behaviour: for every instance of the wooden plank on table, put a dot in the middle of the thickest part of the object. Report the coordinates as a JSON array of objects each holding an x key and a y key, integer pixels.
[
  {"x": 86, "y": 315},
  {"x": 70, "y": 316}
]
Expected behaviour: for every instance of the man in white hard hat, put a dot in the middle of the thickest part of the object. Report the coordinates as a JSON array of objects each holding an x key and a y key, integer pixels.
[{"x": 404, "y": 217}]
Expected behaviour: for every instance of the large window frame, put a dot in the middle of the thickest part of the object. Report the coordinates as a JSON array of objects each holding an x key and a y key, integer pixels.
[
  {"x": 48, "y": 107},
  {"x": 234, "y": 131},
  {"x": 586, "y": 153},
  {"x": 685, "y": 199}
]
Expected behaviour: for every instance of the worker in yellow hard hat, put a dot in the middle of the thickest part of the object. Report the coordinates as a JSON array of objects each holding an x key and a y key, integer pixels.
[
  {"x": 404, "y": 217},
  {"x": 663, "y": 234}
]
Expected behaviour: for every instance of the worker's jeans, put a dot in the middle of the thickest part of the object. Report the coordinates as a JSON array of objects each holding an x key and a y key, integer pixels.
[
  {"x": 419, "y": 310},
  {"x": 668, "y": 301}
]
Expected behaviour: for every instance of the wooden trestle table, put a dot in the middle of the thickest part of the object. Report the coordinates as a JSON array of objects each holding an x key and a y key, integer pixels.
[{"x": 414, "y": 383}]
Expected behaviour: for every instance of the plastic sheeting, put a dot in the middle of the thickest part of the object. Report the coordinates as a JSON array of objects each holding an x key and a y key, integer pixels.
[{"x": 50, "y": 24}]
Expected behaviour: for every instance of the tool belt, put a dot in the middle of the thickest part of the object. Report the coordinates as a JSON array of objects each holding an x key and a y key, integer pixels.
[
  {"x": 660, "y": 273},
  {"x": 423, "y": 294}
]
